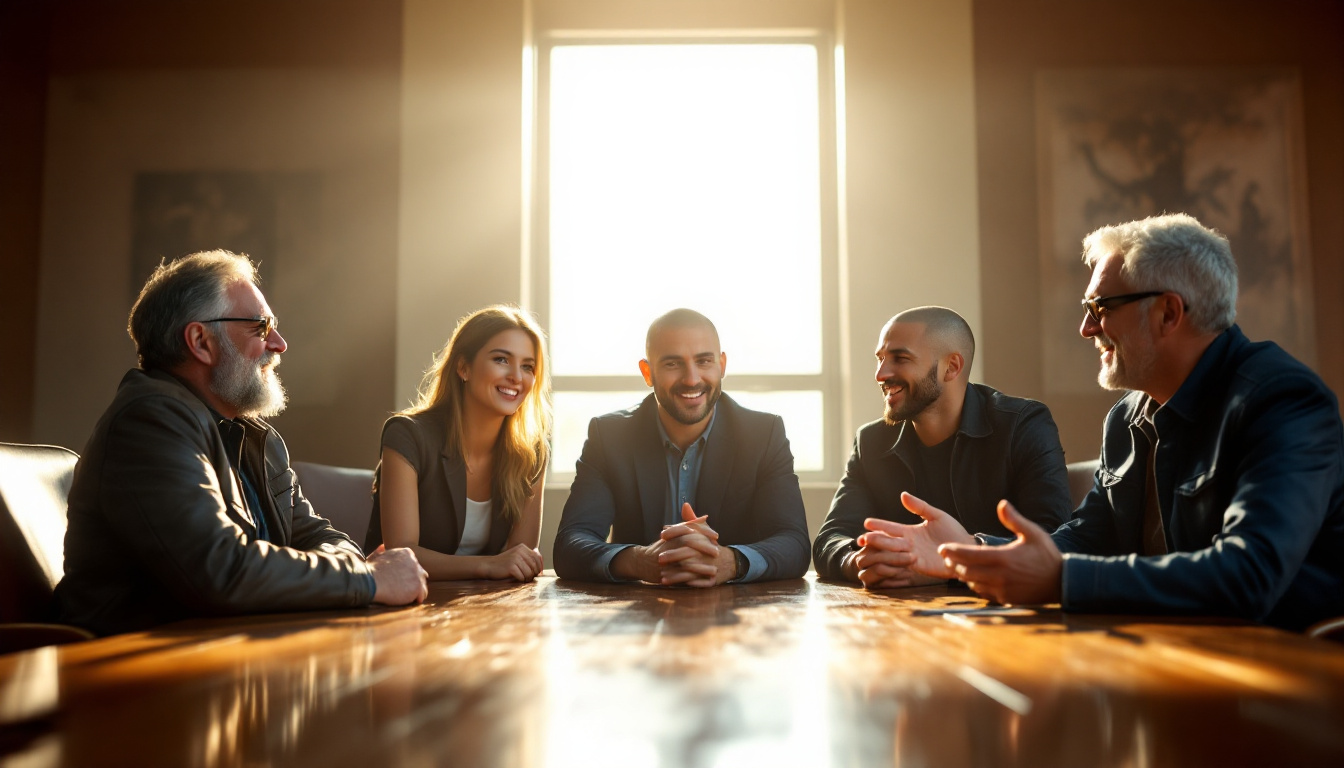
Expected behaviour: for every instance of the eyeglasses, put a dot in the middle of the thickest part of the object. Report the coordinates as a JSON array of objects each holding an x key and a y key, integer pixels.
[
  {"x": 265, "y": 324},
  {"x": 1101, "y": 304}
]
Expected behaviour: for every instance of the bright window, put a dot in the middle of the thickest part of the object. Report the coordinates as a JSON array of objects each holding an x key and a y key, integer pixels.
[{"x": 685, "y": 175}]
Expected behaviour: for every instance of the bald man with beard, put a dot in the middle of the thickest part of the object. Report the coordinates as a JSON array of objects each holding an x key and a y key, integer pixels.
[{"x": 943, "y": 443}]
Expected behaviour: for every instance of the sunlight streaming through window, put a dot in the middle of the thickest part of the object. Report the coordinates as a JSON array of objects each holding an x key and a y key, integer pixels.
[{"x": 685, "y": 175}]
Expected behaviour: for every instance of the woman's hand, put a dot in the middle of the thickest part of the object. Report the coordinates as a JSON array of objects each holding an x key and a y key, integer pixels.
[{"x": 518, "y": 563}]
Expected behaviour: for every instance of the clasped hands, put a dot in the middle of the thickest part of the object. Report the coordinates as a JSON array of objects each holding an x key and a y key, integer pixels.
[
  {"x": 1023, "y": 572},
  {"x": 686, "y": 554}
]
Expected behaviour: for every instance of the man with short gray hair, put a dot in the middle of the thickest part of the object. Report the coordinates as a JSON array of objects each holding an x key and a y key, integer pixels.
[
  {"x": 1221, "y": 485},
  {"x": 183, "y": 503}
]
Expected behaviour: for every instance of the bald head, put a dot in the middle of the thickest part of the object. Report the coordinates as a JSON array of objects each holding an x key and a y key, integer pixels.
[
  {"x": 944, "y": 330},
  {"x": 677, "y": 319}
]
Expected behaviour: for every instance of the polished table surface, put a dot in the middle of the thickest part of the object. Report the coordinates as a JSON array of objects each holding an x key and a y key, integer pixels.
[{"x": 791, "y": 673}]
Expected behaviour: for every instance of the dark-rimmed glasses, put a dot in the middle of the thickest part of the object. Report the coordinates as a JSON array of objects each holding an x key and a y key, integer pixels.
[
  {"x": 1100, "y": 304},
  {"x": 265, "y": 324}
]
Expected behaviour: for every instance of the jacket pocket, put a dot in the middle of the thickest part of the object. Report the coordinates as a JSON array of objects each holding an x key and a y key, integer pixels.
[{"x": 1197, "y": 512}]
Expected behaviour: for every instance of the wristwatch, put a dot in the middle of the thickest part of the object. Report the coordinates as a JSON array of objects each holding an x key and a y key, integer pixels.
[{"x": 743, "y": 564}]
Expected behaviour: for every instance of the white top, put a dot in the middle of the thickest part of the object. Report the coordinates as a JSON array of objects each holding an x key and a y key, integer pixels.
[{"x": 476, "y": 533}]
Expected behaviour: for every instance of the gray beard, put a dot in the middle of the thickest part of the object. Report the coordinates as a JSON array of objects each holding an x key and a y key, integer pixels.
[{"x": 248, "y": 387}]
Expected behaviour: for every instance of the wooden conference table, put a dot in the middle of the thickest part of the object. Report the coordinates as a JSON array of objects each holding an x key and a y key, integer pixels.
[{"x": 794, "y": 673}]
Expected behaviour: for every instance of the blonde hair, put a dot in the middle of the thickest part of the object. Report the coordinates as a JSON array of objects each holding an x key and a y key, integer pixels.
[{"x": 523, "y": 446}]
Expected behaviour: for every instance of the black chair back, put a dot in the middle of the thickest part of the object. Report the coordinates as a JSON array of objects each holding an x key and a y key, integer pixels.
[{"x": 34, "y": 486}]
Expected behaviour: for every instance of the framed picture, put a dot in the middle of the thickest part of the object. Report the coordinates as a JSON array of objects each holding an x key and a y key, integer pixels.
[
  {"x": 261, "y": 214},
  {"x": 1224, "y": 146}
]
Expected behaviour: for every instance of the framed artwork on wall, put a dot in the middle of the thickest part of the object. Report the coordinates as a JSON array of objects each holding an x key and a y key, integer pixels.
[
  {"x": 1224, "y": 146},
  {"x": 261, "y": 214}
]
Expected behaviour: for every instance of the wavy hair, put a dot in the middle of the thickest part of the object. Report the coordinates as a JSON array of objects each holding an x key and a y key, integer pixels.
[
  {"x": 523, "y": 446},
  {"x": 182, "y": 291}
]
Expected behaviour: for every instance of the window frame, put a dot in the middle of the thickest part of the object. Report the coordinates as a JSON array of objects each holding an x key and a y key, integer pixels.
[{"x": 830, "y": 381}]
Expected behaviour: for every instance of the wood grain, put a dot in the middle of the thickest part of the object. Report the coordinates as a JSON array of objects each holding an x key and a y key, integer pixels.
[{"x": 557, "y": 673}]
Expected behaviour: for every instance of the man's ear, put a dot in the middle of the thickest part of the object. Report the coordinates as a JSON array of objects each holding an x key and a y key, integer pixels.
[
  {"x": 201, "y": 344},
  {"x": 646, "y": 371},
  {"x": 955, "y": 364},
  {"x": 723, "y": 364},
  {"x": 1173, "y": 313}
]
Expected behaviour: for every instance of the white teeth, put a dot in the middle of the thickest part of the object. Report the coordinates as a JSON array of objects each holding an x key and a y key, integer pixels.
[{"x": 509, "y": 392}]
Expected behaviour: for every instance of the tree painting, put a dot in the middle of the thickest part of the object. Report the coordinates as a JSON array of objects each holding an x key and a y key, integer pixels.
[{"x": 1221, "y": 146}]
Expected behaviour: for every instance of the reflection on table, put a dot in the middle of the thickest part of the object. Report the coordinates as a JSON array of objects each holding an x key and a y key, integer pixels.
[{"x": 795, "y": 673}]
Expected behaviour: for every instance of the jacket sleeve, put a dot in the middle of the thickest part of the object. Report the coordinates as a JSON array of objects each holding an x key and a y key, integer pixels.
[
  {"x": 581, "y": 548},
  {"x": 777, "y": 509},
  {"x": 853, "y": 503},
  {"x": 1040, "y": 482},
  {"x": 172, "y": 516},
  {"x": 1290, "y": 463}
]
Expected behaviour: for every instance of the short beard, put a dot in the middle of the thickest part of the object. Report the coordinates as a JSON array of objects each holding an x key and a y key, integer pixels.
[
  {"x": 919, "y": 396},
  {"x": 681, "y": 415},
  {"x": 1128, "y": 373},
  {"x": 248, "y": 387}
]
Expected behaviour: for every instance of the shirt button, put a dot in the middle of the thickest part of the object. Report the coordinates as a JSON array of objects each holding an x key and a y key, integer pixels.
[{"x": 684, "y": 467}]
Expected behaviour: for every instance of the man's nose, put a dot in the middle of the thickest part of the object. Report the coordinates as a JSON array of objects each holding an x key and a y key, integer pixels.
[
  {"x": 276, "y": 342},
  {"x": 1090, "y": 327}
]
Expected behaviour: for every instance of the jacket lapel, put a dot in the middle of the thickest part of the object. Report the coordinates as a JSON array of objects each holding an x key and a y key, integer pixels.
[
  {"x": 650, "y": 469},
  {"x": 456, "y": 471},
  {"x": 716, "y": 466},
  {"x": 281, "y": 524}
]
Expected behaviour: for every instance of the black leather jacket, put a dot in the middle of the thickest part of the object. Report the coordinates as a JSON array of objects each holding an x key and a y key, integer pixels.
[
  {"x": 1251, "y": 481},
  {"x": 1006, "y": 448},
  {"x": 158, "y": 529}
]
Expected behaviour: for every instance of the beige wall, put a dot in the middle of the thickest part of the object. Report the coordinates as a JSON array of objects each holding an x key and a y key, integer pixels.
[
  {"x": 909, "y": 175},
  {"x": 151, "y": 87}
]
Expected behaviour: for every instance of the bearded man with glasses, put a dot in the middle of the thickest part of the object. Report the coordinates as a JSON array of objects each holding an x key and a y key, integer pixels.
[
  {"x": 183, "y": 503},
  {"x": 1221, "y": 485}
]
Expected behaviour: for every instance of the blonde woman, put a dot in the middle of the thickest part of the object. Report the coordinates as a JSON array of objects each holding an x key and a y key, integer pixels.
[{"x": 461, "y": 472}]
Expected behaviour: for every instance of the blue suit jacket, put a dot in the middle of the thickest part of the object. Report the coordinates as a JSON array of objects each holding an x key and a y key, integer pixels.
[{"x": 747, "y": 487}]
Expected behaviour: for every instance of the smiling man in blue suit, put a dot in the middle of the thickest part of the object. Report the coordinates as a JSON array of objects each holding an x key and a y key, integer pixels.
[{"x": 695, "y": 489}]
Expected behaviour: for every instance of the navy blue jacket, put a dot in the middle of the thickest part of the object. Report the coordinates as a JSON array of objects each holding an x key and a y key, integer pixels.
[{"x": 1251, "y": 482}]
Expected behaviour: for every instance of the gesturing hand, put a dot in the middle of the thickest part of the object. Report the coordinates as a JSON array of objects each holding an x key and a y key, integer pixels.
[
  {"x": 896, "y": 551},
  {"x": 883, "y": 562},
  {"x": 1025, "y": 572}
]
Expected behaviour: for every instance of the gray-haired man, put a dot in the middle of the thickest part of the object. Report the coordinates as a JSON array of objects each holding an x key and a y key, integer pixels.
[
  {"x": 1221, "y": 487},
  {"x": 184, "y": 503}
]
